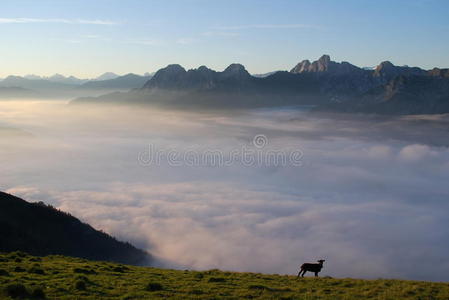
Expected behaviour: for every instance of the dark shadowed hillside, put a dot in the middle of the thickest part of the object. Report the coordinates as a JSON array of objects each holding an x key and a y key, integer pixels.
[{"x": 40, "y": 229}]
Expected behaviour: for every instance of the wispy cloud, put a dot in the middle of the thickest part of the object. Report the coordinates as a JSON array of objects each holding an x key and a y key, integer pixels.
[
  {"x": 266, "y": 26},
  {"x": 56, "y": 20},
  {"x": 73, "y": 41},
  {"x": 185, "y": 41},
  {"x": 145, "y": 42},
  {"x": 221, "y": 34},
  {"x": 91, "y": 36}
]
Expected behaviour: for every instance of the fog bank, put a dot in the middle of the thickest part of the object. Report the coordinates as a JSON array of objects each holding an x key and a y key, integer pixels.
[{"x": 369, "y": 194}]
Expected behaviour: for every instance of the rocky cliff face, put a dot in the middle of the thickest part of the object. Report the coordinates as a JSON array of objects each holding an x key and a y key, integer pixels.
[
  {"x": 325, "y": 65},
  {"x": 436, "y": 72},
  {"x": 386, "y": 71}
]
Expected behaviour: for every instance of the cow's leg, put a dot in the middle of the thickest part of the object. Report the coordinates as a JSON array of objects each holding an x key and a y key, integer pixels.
[
  {"x": 316, "y": 274},
  {"x": 303, "y": 272}
]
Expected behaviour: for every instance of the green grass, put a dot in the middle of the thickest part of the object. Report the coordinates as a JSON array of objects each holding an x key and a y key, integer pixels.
[{"x": 58, "y": 277}]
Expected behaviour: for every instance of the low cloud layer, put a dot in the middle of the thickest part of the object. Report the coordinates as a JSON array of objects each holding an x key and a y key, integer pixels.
[{"x": 369, "y": 200}]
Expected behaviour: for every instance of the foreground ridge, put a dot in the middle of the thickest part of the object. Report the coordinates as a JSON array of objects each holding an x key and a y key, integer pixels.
[
  {"x": 41, "y": 229},
  {"x": 60, "y": 277}
]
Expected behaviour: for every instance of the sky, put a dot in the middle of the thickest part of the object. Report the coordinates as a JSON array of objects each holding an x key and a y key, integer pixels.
[{"x": 86, "y": 38}]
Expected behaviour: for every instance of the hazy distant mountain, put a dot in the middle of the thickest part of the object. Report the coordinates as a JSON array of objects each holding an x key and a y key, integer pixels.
[
  {"x": 33, "y": 77},
  {"x": 34, "y": 84},
  {"x": 68, "y": 80},
  {"x": 263, "y": 75},
  {"x": 106, "y": 76},
  {"x": 327, "y": 84},
  {"x": 40, "y": 229},
  {"x": 16, "y": 92},
  {"x": 72, "y": 80},
  {"x": 125, "y": 82}
]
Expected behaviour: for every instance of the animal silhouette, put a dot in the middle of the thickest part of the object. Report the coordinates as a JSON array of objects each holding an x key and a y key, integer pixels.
[{"x": 311, "y": 267}]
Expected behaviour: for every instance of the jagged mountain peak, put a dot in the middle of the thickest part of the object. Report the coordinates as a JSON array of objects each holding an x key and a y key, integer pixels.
[
  {"x": 235, "y": 68},
  {"x": 171, "y": 71},
  {"x": 173, "y": 68},
  {"x": 175, "y": 77},
  {"x": 237, "y": 71},
  {"x": 387, "y": 69},
  {"x": 385, "y": 65},
  {"x": 57, "y": 76},
  {"x": 324, "y": 59},
  {"x": 324, "y": 65},
  {"x": 301, "y": 67},
  {"x": 437, "y": 72},
  {"x": 107, "y": 76},
  {"x": 203, "y": 68}
]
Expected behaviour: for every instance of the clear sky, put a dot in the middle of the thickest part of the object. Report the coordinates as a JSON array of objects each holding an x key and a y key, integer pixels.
[{"x": 88, "y": 37}]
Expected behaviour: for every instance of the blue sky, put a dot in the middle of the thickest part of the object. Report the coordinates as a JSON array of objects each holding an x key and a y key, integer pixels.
[{"x": 86, "y": 38}]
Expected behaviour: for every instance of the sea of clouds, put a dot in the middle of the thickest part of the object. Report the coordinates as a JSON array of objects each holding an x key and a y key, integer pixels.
[{"x": 369, "y": 194}]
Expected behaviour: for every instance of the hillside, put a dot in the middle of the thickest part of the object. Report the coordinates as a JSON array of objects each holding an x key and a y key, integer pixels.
[
  {"x": 58, "y": 277},
  {"x": 40, "y": 229}
]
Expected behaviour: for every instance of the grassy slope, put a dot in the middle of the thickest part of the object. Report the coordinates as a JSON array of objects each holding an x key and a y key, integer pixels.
[{"x": 73, "y": 278}]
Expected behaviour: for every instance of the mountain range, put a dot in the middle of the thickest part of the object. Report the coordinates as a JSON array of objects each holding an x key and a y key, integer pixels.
[
  {"x": 30, "y": 86},
  {"x": 71, "y": 79},
  {"x": 326, "y": 84},
  {"x": 128, "y": 81},
  {"x": 40, "y": 229}
]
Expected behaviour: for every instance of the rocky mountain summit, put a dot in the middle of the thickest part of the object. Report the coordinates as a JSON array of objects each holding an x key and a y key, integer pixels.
[
  {"x": 325, "y": 65},
  {"x": 175, "y": 77}
]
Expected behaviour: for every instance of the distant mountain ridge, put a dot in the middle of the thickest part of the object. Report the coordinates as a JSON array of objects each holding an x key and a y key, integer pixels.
[
  {"x": 60, "y": 86},
  {"x": 70, "y": 79},
  {"x": 40, "y": 229},
  {"x": 128, "y": 81},
  {"x": 106, "y": 76},
  {"x": 57, "y": 78}
]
